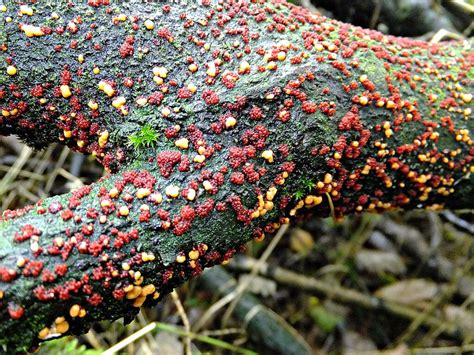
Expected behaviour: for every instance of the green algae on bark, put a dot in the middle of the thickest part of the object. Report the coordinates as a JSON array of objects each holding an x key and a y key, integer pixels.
[{"x": 218, "y": 121}]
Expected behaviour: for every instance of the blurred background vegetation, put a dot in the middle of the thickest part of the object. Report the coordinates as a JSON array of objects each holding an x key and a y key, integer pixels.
[{"x": 395, "y": 284}]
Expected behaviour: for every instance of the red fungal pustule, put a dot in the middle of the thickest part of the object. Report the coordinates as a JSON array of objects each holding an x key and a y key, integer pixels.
[
  {"x": 123, "y": 238},
  {"x": 60, "y": 269},
  {"x": 166, "y": 161},
  {"x": 256, "y": 113},
  {"x": 139, "y": 178},
  {"x": 95, "y": 299},
  {"x": 47, "y": 276},
  {"x": 37, "y": 91},
  {"x": 237, "y": 178},
  {"x": 67, "y": 215},
  {"x": 205, "y": 208},
  {"x": 32, "y": 268},
  {"x": 26, "y": 233},
  {"x": 251, "y": 174},
  {"x": 309, "y": 107},
  {"x": 184, "y": 93},
  {"x": 165, "y": 33},
  {"x": 126, "y": 49},
  {"x": 7, "y": 275},
  {"x": 237, "y": 157},
  {"x": 229, "y": 79},
  {"x": 210, "y": 97},
  {"x": 15, "y": 311},
  {"x": 350, "y": 121},
  {"x": 156, "y": 98},
  {"x": 55, "y": 207},
  {"x": 256, "y": 137},
  {"x": 128, "y": 82},
  {"x": 242, "y": 214},
  {"x": 145, "y": 214}
]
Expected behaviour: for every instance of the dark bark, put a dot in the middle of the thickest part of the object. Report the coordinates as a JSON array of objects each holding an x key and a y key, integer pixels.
[{"x": 218, "y": 124}]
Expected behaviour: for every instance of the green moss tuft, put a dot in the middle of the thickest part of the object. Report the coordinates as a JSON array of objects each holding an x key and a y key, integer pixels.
[{"x": 146, "y": 138}]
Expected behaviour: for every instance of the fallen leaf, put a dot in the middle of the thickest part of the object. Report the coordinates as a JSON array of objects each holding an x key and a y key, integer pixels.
[
  {"x": 379, "y": 262},
  {"x": 409, "y": 291},
  {"x": 301, "y": 241},
  {"x": 355, "y": 342},
  {"x": 460, "y": 316},
  {"x": 259, "y": 285}
]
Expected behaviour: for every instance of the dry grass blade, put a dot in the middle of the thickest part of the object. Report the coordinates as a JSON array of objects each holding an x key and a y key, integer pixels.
[
  {"x": 442, "y": 34},
  {"x": 59, "y": 164},
  {"x": 12, "y": 174},
  {"x": 130, "y": 339},
  {"x": 465, "y": 6},
  {"x": 184, "y": 318}
]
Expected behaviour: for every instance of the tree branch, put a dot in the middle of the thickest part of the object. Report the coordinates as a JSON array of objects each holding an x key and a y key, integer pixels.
[{"x": 218, "y": 123}]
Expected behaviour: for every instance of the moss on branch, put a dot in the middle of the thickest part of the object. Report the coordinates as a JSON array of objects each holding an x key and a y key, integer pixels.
[{"x": 218, "y": 123}]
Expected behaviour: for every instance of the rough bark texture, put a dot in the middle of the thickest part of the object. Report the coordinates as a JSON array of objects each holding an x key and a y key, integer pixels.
[{"x": 218, "y": 121}]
